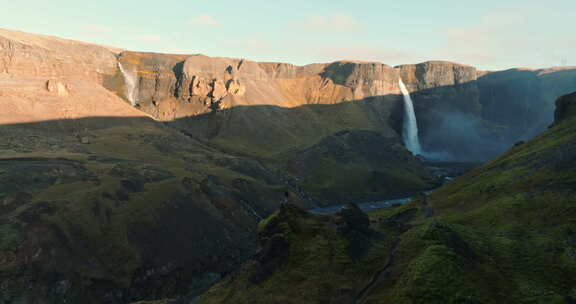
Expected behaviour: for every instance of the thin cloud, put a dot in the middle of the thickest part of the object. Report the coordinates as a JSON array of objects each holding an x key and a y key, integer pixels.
[
  {"x": 335, "y": 23},
  {"x": 205, "y": 20}
]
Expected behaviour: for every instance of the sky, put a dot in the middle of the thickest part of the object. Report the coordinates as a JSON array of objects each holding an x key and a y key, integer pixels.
[{"x": 488, "y": 34}]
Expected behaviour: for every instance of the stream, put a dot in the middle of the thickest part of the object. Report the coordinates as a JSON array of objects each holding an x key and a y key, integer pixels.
[{"x": 368, "y": 206}]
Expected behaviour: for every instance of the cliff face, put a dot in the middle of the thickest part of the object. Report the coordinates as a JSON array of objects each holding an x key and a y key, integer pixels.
[
  {"x": 522, "y": 98},
  {"x": 170, "y": 86},
  {"x": 565, "y": 108},
  {"x": 30, "y": 55},
  {"x": 433, "y": 74},
  {"x": 262, "y": 109},
  {"x": 440, "y": 90},
  {"x": 468, "y": 114},
  {"x": 47, "y": 78}
]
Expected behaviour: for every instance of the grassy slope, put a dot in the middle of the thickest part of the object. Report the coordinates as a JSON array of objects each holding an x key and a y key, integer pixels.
[
  {"x": 504, "y": 233},
  {"x": 85, "y": 223}
]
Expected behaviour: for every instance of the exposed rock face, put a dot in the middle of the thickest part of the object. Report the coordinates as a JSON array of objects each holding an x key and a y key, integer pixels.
[
  {"x": 438, "y": 88},
  {"x": 565, "y": 107},
  {"x": 47, "y": 78},
  {"x": 441, "y": 86},
  {"x": 504, "y": 106},
  {"x": 433, "y": 74},
  {"x": 176, "y": 86},
  {"x": 23, "y": 54},
  {"x": 521, "y": 98},
  {"x": 459, "y": 107}
]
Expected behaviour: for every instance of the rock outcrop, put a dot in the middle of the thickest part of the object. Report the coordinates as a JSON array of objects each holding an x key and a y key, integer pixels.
[
  {"x": 47, "y": 78},
  {"x": 565, "y": 107},
  {"x": 30, "y": 55},
  {"x": 175, "y": 86},
  {"x": 465, "y": 113}
]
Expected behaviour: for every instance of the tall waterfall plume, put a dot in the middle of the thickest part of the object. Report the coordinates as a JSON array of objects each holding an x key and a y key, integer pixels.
[
  {"x": 131, "y": 85},
  {"x": 410, "y": 127}
]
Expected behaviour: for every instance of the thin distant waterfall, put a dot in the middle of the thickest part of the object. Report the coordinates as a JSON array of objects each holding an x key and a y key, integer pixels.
[
  {"x": 131, "y": 86},
  {"x": 410, "y": 127}
]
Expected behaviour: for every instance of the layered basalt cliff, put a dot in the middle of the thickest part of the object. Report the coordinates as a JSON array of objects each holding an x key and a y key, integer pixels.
[
  {"x": 199, "y": 84},
  {"x": 464, "y": 113},
  {"x": 47, "y": 78},
  {"x": 29, "y": 55}
]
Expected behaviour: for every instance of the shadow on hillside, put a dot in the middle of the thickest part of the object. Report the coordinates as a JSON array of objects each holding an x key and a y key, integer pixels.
[{"x": 471, "y": 121}]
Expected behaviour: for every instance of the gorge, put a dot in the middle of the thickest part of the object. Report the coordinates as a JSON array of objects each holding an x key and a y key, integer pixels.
[{"x": 129, "y": 176}]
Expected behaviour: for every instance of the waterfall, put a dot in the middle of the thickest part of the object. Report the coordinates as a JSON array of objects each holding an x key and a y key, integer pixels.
[
  {"x": 131, "y": 87},
  {"x": 410, "y": 127}
]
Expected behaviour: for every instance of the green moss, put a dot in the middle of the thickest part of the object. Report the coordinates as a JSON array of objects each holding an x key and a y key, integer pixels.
[
  {"x": 265, "y": 222},
  {"x": 318, "y": 268},
  {"x": 438, "y": 275}
]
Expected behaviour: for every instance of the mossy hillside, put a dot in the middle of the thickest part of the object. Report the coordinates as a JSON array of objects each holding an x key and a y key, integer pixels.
[
  {"x": 268, "y": 131},
  {"x": 338, "y": 182},
  {"x": 319, "y": 266},
  {"x": 83, "y": 221},
  {"x": 354, "y": 166},
  {"x": 503, "y": 233},
  {"x": 277, "y": 137},
  {"x": 521, "y": 210}
]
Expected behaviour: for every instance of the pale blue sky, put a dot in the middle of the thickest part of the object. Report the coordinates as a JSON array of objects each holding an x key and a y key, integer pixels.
[{"x": 489, "y": 34}]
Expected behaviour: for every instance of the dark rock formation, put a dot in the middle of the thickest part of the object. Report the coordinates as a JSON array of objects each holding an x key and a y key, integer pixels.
[
  {"x": 354, "y": 225},
  {"x": 565, "y": 107},
  {"x": 273, "y": 235},
  {"x": 352, "y": 218}
]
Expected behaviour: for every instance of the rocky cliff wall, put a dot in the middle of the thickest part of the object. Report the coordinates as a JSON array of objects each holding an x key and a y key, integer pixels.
[
  {"x": 23, "y": 54},
  {"x": 477, "y": 114},
  {"x": 565, "y": 107},
  {"x": 207, "y": 83}
]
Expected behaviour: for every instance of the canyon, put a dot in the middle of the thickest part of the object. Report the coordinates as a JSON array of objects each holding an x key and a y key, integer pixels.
[{"x": 130, "y": 176}]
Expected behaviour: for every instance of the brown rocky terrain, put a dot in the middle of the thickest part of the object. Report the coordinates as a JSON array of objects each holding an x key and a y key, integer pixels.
[{"x": 128, "y": 176}]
